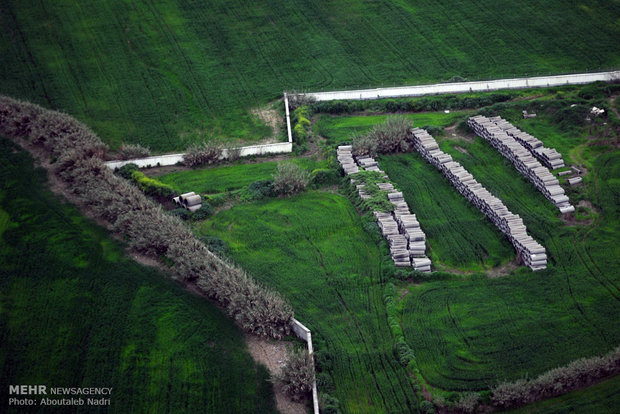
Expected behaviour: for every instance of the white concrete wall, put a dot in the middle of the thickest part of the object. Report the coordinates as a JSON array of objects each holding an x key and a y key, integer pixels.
[
  {"x": 460, "y": 87},
  {"x": 288, "y": 118},
  {"x": 172, "y": 159},
  {"x": 304, "y": 333}
]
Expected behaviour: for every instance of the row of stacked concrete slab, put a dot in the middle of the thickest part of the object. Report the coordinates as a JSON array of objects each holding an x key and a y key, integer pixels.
[
  {"x": 548, "y": 156},
  {"x": 400, "y": 227},
  {"x": 521, "y": 158},
  {"x": 531, "y": 252}
]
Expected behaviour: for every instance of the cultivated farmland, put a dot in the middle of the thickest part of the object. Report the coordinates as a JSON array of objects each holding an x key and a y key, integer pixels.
[
  {"x": 166, "y": 73},
  {"x": 76, "y": 311}
]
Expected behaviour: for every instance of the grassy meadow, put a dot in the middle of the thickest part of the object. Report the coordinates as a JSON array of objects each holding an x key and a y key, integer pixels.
[
  {"x": 76, "y": 311},
  {"x": 220, "y": 179},
  {"x": 312, "y": 249},
  {"x": 167, "y": 73},
  {"x": 339, "y": 129}
]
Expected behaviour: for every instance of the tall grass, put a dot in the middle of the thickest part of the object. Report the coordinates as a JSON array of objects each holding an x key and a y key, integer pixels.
[{"x": 167, "y": 73}]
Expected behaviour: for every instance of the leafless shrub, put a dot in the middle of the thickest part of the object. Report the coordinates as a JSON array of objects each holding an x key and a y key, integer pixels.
[
  {"x": 290, "y": 179},
  {"x": 131, "y": 151},
  {"x": 207, "y": 152},
  {"x": 364, "y": 145},
  {"x": 129, "y": 212},
  {"x": 295, "y": 100},
  {"x": 233, "y": 153},
  {"x": 298, "y": 375},
  {"x": 557, "y": 381},
  {"x": 386, "y": 138}
]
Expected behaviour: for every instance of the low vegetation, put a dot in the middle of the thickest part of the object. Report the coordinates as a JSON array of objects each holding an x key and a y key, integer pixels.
[
  {"x": 290, "y": 179},
  {"x": 76, "y": 152},
  {"x": 161, "y": 74},
  {"x": 77, "y": 311}
]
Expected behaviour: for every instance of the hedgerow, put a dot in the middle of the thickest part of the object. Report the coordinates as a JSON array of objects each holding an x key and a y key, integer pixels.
[
  {"x": 77, "y": 153},
  {"x": 577, "y": 374},
  {"x": 298, "y": 375}
]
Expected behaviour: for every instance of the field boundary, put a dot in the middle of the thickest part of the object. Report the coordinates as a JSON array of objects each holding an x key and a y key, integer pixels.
[
  {"x": 172, "y": 159},
  {"x": 300, "y": 330},
  {"x": 463, "y": 87}
]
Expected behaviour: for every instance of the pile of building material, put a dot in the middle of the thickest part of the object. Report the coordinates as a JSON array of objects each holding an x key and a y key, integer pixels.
[
  {"x": 548, "y": 156},
  {"x": 189, "y": 201},
  {"x": 532, "y": 254},
  {"x": 345, "y": 157},
  {"x": 406, "y": 240},
  {"x": 522, "y": 159}
]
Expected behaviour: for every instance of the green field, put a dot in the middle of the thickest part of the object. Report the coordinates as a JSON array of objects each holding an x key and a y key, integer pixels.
[
  {"x": 220, "y": 179},
  {"x": 600, "y": 398},
  {"x": 340, "y": 129},
  {"x": 312, "y": 249},
  {"x": 472, "y": 333},
  {"x": 76, "y": 311},
  {"x": 162, "y": 73}
]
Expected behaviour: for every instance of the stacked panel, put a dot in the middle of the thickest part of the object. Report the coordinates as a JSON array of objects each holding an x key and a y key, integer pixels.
[
  {"x": 522, "y": 159},
  {"x": 401, "y": 229},
  {"x": 532, "y": 254}
]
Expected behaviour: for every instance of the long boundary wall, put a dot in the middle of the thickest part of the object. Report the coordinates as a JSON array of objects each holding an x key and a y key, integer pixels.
[
  {"x": 462, "y": 87},
  {"x": 304, "y": 333},
  {"x": 172, "y": 159}
]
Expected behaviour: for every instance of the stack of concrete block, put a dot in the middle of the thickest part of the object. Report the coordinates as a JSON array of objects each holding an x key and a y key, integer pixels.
[
  {"x": 531, "y": 253},
  {"x": 345, "y": 157},
  {"x": 575, "y": 180},
  {"x": 400, "y": 228},
  {"x": 522, "y": 159},
  {"x": 548, "y": 156}
]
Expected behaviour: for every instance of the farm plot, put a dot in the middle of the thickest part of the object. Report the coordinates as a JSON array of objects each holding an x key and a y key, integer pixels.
[
  {"x": 474, "y": 333},
  {"x": 75, "y": 311},
  {"x": 339, "y": 129},
  {"x": 459, "y": 236},
  {"x": 312, "y": 248},
  {"x": 220, "y": 179},
  {"x": 163, "y": 74}
]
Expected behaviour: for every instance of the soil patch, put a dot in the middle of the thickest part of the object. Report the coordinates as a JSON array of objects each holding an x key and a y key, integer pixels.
[{"x": 272, "y": 118}]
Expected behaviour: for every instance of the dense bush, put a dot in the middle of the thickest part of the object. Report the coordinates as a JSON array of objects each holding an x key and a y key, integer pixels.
[
  {"x": 386, "y": 138},
  {"x": 298, "y": 375},
  {"x": 127, "y": 170},
  {"x": 290, "y": 179},
  {"x": 216, "y": 245},
  {"x": 77, "y": 153},
  {"x": 329, "y": 404},
  {"x": 130, "y": 151},
  {"x": 181, "y": 213},
  {"x": 577, "y": 374},
  {"x": 152, "y": 187},
  {"x": 324, "y": 176},
  {"x": 203, "y": 212},
  {"x": 260, "y": 189},
  {"x": 207, "y": 152},
  {"x": 429, "y": 103}
]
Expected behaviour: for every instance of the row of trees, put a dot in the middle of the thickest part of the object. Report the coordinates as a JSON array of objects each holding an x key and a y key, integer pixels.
[{"x": 76, "y": 154}]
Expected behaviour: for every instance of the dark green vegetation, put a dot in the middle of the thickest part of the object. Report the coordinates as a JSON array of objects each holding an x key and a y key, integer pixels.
[
  {"x": 599, "y": 398},
  {"x": 164, "y": 73},
  {"x": 312, "y": 248},
  {"x": 340, "y": 129},
  {"x": 227, "y": 178},
  {"x": 471, "y": 333},
  {"x": 459, "y": 236},
  {"x": 76, "y": 311}
]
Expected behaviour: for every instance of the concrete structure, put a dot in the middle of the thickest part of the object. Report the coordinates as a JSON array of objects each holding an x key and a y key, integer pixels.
[
  {"x": 531, "y": 253},
  {"x": 173, "y": 159},
  {"x": 462, "y": 87},
  {"x": 406, "y": 240},
  {"x": 304, "y": 333}
]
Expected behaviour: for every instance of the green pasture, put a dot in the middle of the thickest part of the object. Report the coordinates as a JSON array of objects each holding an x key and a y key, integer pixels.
[
  {"x": 340, "y": 129},
  {"x": 220, "y": 179},
  {"x": 76, "y": 311},
  {"x": 166, "y": 73},
  {"x": 600, "y": 398},
  {"x": 470, "y": 334},
  {"x": 312, "y": 248}
]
